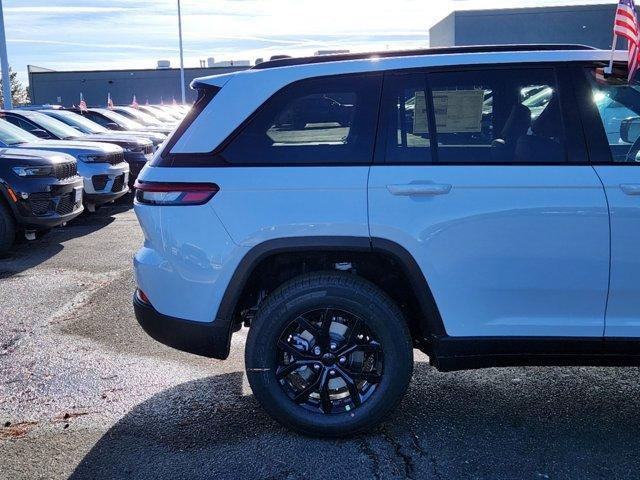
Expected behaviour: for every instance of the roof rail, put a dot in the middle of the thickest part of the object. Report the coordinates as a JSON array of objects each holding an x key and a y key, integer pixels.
[{"x": 286, "y": 62}]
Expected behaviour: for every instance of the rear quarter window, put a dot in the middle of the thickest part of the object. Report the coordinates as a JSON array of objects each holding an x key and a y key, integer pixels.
[{"x": 316, "y": 121}]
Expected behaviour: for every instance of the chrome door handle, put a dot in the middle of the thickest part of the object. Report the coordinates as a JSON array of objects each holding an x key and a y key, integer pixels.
[
  {"x": 631, "y": 188},
  {"x": 419, "y": 189}
]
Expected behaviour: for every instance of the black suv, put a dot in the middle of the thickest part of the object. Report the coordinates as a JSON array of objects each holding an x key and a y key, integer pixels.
[{"x": 38, "y": 190}]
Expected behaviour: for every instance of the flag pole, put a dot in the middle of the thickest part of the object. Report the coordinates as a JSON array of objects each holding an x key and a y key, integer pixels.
[
  {"x": 181, "y": 55},
  {"x": 609, "y": 70},
  {"x": 4, "y": 64}
]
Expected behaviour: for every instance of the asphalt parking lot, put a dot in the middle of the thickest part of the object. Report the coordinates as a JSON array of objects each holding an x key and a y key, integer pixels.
[{"x": 84, "y": 393}]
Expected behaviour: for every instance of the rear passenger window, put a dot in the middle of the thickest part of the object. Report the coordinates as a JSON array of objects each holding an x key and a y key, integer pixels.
[
  {"x": 319, "y": 121},
  {"x": 499, "y": 116}
]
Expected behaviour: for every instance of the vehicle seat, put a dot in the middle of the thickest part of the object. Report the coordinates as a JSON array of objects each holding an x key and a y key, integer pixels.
[
  {"x": 517, "y": 124},
  {"x": 544, "y": 142}
]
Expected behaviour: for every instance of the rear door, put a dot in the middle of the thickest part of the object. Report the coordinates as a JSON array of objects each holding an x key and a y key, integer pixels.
[
  {"x": 611, "y": 114},
  {"x": 477, "y": 176}
]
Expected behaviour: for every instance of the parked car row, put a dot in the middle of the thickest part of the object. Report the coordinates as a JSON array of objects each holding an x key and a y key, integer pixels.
[{"x": 55, "y": 162}]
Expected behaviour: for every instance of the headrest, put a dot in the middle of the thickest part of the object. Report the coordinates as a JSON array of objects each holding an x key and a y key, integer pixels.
[{"x": 549, "y": 121}]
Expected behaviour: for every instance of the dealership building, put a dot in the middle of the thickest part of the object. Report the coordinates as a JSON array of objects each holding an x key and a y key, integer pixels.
[
  {"x": 583, "y": 24},
  {"x": 153, "y": 85}
]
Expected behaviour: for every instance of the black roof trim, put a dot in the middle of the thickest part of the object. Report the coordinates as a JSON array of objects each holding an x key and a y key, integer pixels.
[{"x": 286, "y": 62}]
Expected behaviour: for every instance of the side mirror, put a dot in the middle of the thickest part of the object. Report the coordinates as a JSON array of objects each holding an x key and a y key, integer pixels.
[
  {"x": 113, "y": 126},
  {"x": 630, "y": 129},
  {"x": 40, "y": 133}
]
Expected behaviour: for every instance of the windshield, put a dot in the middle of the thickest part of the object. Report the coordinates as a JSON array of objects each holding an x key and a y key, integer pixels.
[
  {"x": 73, "y": 119},
  {"x": 159, "y": 114},
  {"x": 58, "y": 128},
  {"x": 12, "y": 135},
  {"x": 120, "y": 119},
  {"x": 142, "y": 117}
]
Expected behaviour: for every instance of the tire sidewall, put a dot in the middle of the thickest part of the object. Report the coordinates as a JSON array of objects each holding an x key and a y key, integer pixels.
[{"x": 380, "y": 317}]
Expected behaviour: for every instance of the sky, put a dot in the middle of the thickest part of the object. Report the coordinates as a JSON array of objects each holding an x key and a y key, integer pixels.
[{"x": 108, "y": 34}]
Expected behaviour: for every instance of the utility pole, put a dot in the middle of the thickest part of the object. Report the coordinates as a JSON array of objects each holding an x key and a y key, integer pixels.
[
  {"x": 181, "y": 55},
  {"x": 4, "y": 64}
]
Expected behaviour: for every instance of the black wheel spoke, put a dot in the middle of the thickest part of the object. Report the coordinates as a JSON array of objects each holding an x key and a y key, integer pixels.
[
  {"x": 285, "y": 370},
  {"x": 308, "y": 326},
  {"x": 371, "y": 377},
  {"x": 325, "y": 400},
  {"x": 353, "y": 331},
  {"x": 371, "y": 347},
  {"x": 291, "y": 350},
  {"x": 303, "y": 395},
  {"x": 351, "y": 385},
  {"x": 325, "y": 327}
]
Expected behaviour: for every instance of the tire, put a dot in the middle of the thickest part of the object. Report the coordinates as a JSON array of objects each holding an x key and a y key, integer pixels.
[
  {"x": 7, "y": 228},
  {"x": 364, "y": 308}
]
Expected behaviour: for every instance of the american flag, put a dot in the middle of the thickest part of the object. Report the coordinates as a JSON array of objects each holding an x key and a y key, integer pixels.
[
  {"x": 82, "y": 105},
  {"x": 134, "y": 103},
  {"x": 626, "y": 26},
  {"x": 109, "y": 102}
]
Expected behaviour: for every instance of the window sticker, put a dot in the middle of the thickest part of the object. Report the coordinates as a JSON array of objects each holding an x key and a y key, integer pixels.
[
  {"x": 420, "y": 121},
  {"x": 458, "y": 111}
]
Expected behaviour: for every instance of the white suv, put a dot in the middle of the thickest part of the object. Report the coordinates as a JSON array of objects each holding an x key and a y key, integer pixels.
[{"x": 347, "y": 209}]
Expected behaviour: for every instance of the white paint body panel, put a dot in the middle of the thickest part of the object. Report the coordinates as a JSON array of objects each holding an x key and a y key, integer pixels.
[
  {"x": 623, "y": 309},
  {"x": 515, "y": 251}
]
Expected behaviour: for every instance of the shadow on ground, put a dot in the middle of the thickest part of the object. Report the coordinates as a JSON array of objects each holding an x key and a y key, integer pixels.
[{"x": 511, "y": 423}]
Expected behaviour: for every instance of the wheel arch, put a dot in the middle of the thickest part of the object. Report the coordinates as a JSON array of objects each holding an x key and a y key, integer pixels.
[{"x": 430, "y": 322}]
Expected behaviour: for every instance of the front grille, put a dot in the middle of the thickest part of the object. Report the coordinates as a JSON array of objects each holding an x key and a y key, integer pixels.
[
  {"x": 115, "y": 158},
  {"x": 39, "y": 202},
  {"x": 65, "y": 170},
  {"x": 118, "y": 183},
  {"x": 148, "y": 149},
  {"x": 66, "y": 204},
  {"x": 99, "y": 181}
]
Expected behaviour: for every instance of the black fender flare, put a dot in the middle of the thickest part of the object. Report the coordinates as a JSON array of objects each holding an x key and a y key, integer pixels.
[{"x": 431, "y": 322}]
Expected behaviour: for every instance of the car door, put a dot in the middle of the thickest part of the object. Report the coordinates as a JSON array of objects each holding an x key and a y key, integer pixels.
[
  {"x": 478, "y": 179},
  {"x": 611, "y": 114}
]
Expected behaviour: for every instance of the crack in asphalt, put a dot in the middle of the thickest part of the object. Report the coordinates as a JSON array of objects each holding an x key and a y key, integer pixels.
[
  {"x": 422, "y": 452},
  {"x": 407, "y": 461},
  {"x": 366, "y": 449}
]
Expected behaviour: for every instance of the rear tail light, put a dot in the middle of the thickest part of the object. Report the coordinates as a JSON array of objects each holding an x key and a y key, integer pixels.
[{"x": 153, "y": 193}]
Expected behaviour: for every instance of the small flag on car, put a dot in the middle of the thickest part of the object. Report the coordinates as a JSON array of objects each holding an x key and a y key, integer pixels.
[
  {"x": 134, "y": 103},
  {"x": 82, "y": 105},
  {"x": 625, "y": 25},
  {"x": 109, "y": 101}
]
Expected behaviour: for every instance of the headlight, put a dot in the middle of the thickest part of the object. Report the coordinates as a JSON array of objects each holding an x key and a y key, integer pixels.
[
  {"x": 44, "y": 171},
  {"x": 92, "y": 158}
]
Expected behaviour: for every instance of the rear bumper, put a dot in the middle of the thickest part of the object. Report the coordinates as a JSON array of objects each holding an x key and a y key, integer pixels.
[{"x": 211, "y": 339}]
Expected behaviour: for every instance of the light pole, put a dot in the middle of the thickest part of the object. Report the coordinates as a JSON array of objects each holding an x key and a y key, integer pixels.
[
  {"x": 4, "y": 64},
  {"x": 181, "y": 56}
]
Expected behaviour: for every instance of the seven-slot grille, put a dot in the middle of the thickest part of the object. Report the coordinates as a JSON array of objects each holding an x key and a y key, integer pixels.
[
  {"x": 65, "y": 170},
  {"x": 148, "y": 149},
  {"x": 115, "y": 158}
]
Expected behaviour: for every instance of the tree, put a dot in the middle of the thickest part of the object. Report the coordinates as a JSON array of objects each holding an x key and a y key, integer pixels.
[{"x": 19, "y": 93}]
